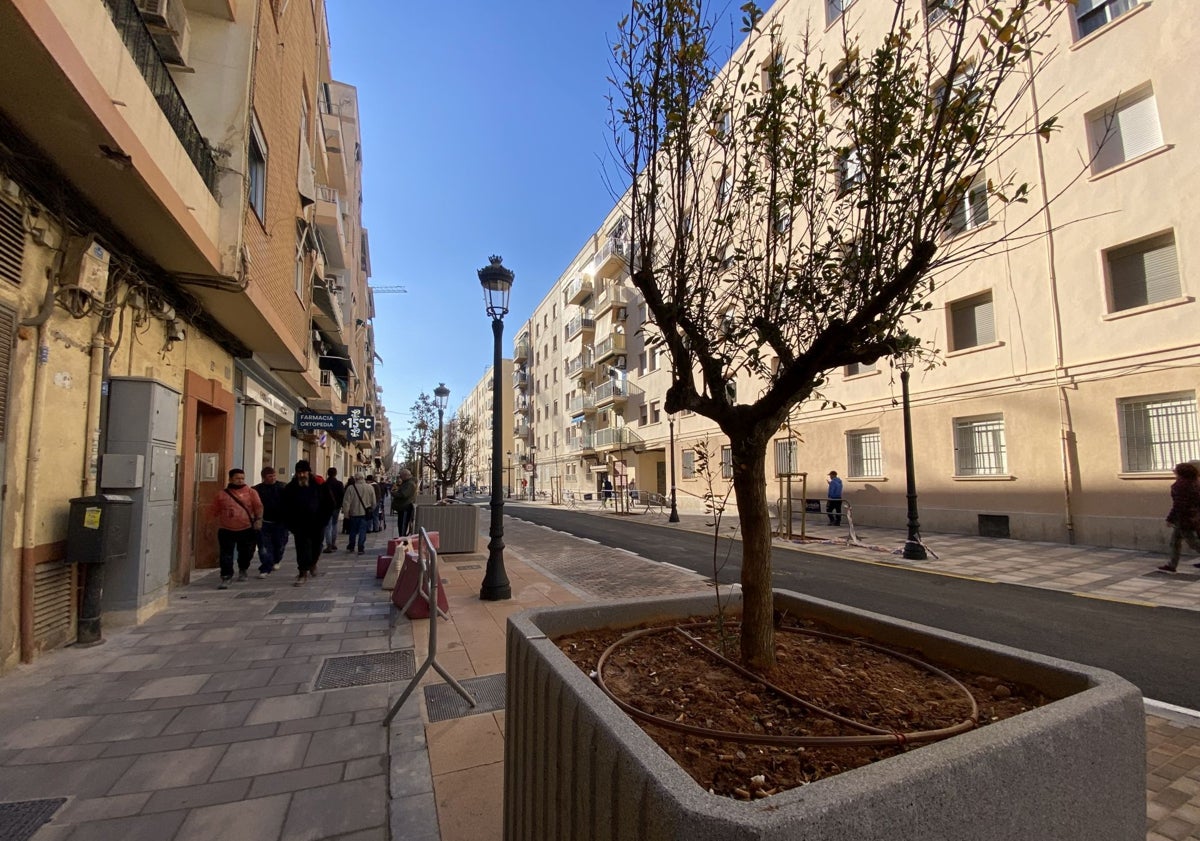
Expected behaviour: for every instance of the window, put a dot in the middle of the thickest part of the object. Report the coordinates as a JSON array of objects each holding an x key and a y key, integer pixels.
[
  {"x": 1090, "y": 15},
  {"x": 689, "y": 464},
  {"x": 724, "y": 188},
  {"x": 655, "y": 412},
  {"x": 835, "y": 8},
  {"x": 979, "y": 446},
  {"x": 970, "y": 210},
  {"x": 864, "y": 453},
  {"x": 850, "y": 170},
  {"x": 845, "y": 77},
  {"x": 1158, "y": 432},
  {"x": 781, "y": 222},
  {"x": 1124, "y": 129},
  {"x": 301, "y": 269},
  {"x": 857, "y": 368},
  {"x": 642, "y": 363},
  {"x": 937, "y": 10},
  {"x": 726, "y": 463},
  {"x": 1143, "y": 273},
  {"x": 643, "y": 415},
  {"x": 971, "y": 322},
  {"x": 787, "y": 457},
  {"x": 257, "y": 166}
]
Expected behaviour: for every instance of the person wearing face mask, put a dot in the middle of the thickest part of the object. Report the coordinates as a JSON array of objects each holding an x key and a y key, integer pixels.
[{"x": 238, "y": 511}]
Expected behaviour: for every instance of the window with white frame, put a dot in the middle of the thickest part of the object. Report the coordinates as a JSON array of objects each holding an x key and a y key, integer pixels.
[
  {"x": 971, "y": 208},
  {"x": 726, "y": 463},
  {"x": 850, "y": 169},
  {"x": 257, "y": 167},
  {"x": 855, "y": 369},
  {"x": 864, "y": 453},
  {"x": 937, "y": 10},
  {"x": 835, "y": 8},
  {"x": 1158, "y": 432},
  {"x": 787, "y": 457},
  {"x": 972, "y": 322},
  {"x": 1124, "y": 129},
  {"x": 979, "y": 446},
  {"x": 643, "y": 415},
  {"x": 689, "y": 464},
  {"x": 1090, "y": 15},
  {"x": 844, "y": 77},
  {"x": 301, "y": 267},
  {"x": 1143, "y": 273},
  {"x": 655, "y": 412}
]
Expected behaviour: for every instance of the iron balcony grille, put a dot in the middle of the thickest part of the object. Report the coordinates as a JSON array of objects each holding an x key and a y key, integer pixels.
[{"x": 138, "y": 41}]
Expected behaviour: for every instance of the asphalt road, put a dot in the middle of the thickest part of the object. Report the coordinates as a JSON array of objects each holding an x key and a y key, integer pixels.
[{"x": 1156, "y": 648}]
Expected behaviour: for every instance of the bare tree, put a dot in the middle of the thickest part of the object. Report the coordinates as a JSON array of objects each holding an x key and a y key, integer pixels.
[
  {"x": 787, "y": 209},
  {"x": 456, "y": 447}
]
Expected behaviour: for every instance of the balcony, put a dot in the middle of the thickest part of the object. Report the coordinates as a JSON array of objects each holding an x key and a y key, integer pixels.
[
  {"x": 581, "y": 365},
  {"x": 610, "y": 346},
  {"x": 331, "y": 396},
  {"x": 612, "y": 296},
  {"x": 610, "y": 260},
  {"x": 582, "y": 445},
  {"x": 523, "y": 431},
  {"x": 619, "y": 438},
  {"x": 521, "y": 349},
  {"x": 611, "y": 392},
  {"x": 583, "y": 404},
  {"x": 521, "y": 407},
  {"x": 520, "y": 380},
  {"x": 578, "y": 290},
  {"x": 328, "y": 218},
  {"x": 578, "y": 325},
  {"x": 331, "y": 130},
  {"x": 327, "y": 307}
]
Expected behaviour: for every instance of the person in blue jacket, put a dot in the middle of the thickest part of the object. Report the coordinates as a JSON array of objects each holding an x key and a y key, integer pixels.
[{"x": 833, "y": 499}]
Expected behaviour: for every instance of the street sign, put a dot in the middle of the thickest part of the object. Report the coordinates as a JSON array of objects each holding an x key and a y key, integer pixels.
[
  {"x": 306, "y": 419},
  {"x": 357, "y": 423}
]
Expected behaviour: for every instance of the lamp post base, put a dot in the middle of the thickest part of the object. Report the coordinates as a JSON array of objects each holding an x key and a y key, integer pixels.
[
  {"x": 495, "y": 587},
  {"x": 914, "y": 551}
]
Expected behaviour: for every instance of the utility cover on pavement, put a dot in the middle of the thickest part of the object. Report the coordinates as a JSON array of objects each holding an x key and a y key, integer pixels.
[
  {"x": 365, "y": 669},
  {"x": 469, "y": 566},
  {"x": 318, "y": 606},
  {"x": 255, "y": 594},
  {"x": 21, "y": 819},
  {"x": 442, "y": 702},
  {"x": 1172, "y": 576}
]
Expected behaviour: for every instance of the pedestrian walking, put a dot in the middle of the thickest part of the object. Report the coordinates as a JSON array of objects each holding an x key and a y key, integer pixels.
[
  {"x": 334, "y": 487},
  {"x": 833, "y": 499},
  {"x": 273, "y": 532},
  {"x": 605, "y": 492},
  {"x": 238, "y": 511},
  {"x": 1184, "y": 515},
  {"x": 381, "y": 490},
  {"x": 404, "y": 503},
  {"x": 357, "y": 507},
  {"x": 307, "y": 508}
]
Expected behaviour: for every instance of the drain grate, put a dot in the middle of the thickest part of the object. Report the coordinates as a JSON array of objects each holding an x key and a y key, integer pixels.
[
  {"x": 442, "y": 702},
  {"x": 21, "y": 819},
  {"x": 366, "y": 669},
  {"x": 255, "y": 594},
  {"x": 1173, "y": 576},
  {"x": 469, "y": 566},
  {"x": 318, "y": 606}
]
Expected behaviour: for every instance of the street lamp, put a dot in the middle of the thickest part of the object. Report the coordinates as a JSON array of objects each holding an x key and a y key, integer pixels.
[
  {"x": 914, "y": 550},
  {"x": 532, "y": 474},
  {"x": 674, "y": 518},
  {"x": 508, "y": 489},
  {"x": 441, "y": 396},
  {"x": 423, "y": 430},
  {"x": 497, "y": 283}
]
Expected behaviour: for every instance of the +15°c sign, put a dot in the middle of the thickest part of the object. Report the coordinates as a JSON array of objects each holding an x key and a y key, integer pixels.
[{"x": 356, "y": 423}]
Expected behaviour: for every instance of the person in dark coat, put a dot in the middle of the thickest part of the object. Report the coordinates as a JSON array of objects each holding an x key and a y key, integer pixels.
[
  {"x": 273, "y": 536},
  {"x": 404, "y": 499},
  {"x": 307, "y": 507},
  {"x": 1184, "y": 516},
  {"x": 334, "y": 487}
]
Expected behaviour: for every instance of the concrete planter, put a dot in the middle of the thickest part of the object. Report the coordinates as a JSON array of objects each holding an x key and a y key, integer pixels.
[{"x": 577, "y": 767}]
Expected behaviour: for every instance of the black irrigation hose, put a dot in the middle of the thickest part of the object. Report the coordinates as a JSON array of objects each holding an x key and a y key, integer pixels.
[{"x": 878, "y": 738}]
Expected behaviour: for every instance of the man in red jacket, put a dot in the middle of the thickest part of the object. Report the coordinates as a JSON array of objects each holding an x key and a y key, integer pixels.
[{"x": 238, "y": 511}]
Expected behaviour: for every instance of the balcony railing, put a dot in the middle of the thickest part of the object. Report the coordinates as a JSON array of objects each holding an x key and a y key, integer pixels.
[
  {"x": 581, "y": 404},
  {"x": 578, "y": 324},
  {"x": 618, "y": 437},
  {"x": 521, "y": 350},
  {"x": 581, "y": 364},
  {"x": 520, "y": 379},
  {"x": 523, "y": 430},
  {"x": 611, "y": 256},
  {"x": 140, "y": 44},
  {"x": 610, "y": 391},
  {"x": 611, "y": 296},
  {"x": 582, "y": 443},
  {"x": 613, "y": 345},
  {"x": 578, "y": 290}
]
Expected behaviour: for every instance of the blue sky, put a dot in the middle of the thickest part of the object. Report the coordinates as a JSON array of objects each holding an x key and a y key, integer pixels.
[{"x": 484, "y": 132}]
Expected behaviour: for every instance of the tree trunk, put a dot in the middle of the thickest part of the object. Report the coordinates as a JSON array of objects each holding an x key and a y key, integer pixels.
[{"x": 750, "y": 483}]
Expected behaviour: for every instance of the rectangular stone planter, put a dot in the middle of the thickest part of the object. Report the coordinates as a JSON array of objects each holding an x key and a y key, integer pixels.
[
  {"x": 457, "y": 526},
  {"x": 577, "y": 767}
]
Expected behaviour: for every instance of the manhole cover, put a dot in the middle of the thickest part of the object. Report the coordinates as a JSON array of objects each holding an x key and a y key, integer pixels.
[
  {"x": 1173, "y": 576},
  {"x": 21, "y": 819},
  {"x": 255, "y": 594},
  {"x": 365, "y": 669},
  {"x": 442, "y": 702},
  {"x": 469, "y": 566},
  {"x": 318, "y": 606}
]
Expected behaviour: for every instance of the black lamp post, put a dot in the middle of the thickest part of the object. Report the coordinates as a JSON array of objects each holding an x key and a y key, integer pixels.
[
  {"x": 423, "y": 429},
  {"x": 497, "y": 283},
  {"x": 441, "y": 396},
  {"x": 914, "y": 550},
  {"x": 533, "y": 474},
  {"x": 508, "y": 490},
  {"x": 674, "y": 518}
]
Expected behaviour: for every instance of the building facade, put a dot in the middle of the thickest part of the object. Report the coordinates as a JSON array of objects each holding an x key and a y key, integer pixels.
[
  {"x": 1065, "y": 388},
  {"x": 478, "y": 407},
  {"x": 175, "y": 286}
]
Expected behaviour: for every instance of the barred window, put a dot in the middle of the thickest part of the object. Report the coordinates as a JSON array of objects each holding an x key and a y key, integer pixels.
[
  {"x": 689, "y": 464},
  {"x": 864, "y": 453},
  {"x": 1158, "y": 432},
  {"x": 726, "y": 463},
  {"x": 979, "y": 446},
  {"x": 787, "y": 458}
]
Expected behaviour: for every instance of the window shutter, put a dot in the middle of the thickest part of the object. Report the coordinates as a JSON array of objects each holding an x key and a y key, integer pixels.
[
  {"x": 1134, "y": 131},
  {"x": 978, "y": 200},
  {"x": 973, "y": 323},
  {"x": 1145, "y": 276},
  {"x": 12, "y": 242},
  {"x": 8, "y": 328}
]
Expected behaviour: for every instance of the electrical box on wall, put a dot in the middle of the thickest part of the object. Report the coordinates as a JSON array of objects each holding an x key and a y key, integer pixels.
[
  {"x": 86, "y": 266},
  {"x": 210, "y": 466},
  {"x": 122, "y": 470}
]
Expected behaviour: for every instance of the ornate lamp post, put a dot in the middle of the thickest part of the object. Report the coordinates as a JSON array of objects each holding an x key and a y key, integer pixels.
[
  {"x": 497, "y": 283},
  {"x": 441, "y": 396},
  {"x": 914, "y": 550},
  {"x": 532, "y": 474},
  {"x": 674, "y": 518},
  {"x": 508, "y": 490}
]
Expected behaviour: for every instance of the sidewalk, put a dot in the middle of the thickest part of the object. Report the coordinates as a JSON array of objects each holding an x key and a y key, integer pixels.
[{"x": 211, "y": 720}]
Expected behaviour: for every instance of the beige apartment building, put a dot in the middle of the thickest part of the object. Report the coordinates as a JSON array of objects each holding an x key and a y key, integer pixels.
[
  {"x": 1065, "y": 388},
  {"x": 478, "y": 407},
  {"x": 183, "y": 268}
]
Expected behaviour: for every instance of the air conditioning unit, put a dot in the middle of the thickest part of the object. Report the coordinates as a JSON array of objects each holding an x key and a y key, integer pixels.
[{"x": 168, "y": 24}]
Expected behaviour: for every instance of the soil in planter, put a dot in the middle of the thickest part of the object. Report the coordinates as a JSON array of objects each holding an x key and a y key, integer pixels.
[{"x": 666, "y": 675}]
